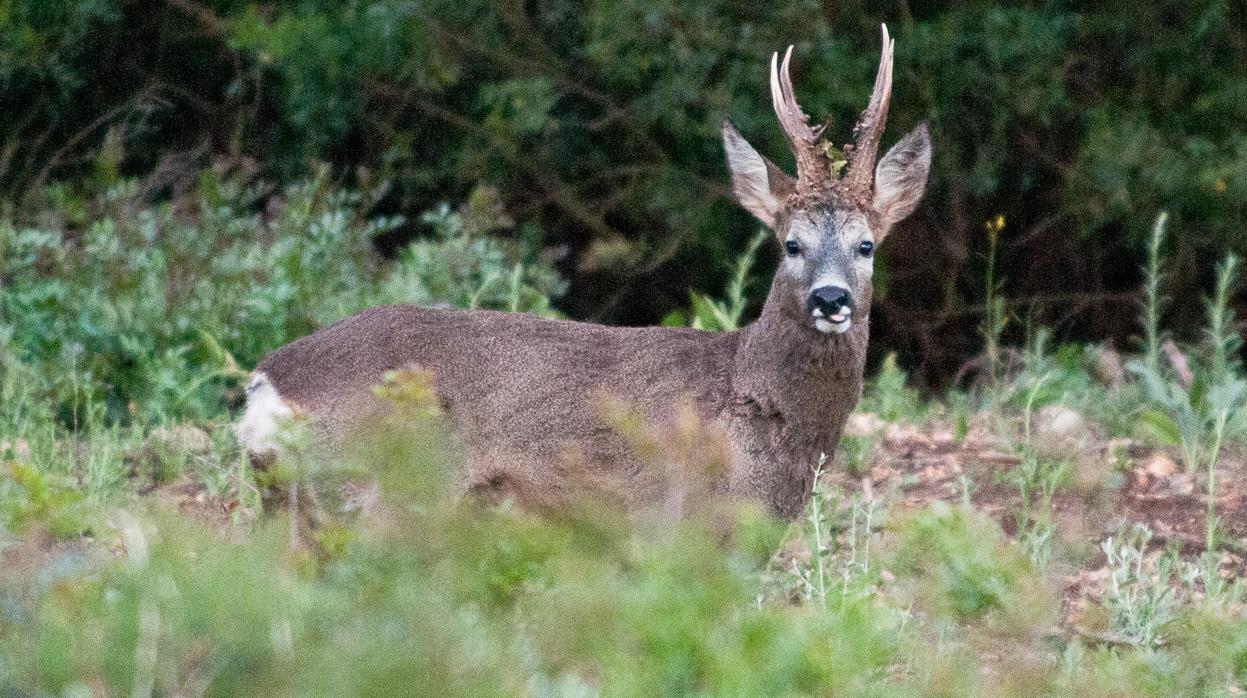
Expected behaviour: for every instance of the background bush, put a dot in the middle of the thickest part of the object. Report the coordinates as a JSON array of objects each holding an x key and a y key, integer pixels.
[
  {"x": 597, "y": 126},
  {"x": 155, "y": 312}
]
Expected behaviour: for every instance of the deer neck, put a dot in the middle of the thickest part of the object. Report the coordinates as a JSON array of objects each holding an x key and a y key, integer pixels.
[
  {"x": 794, "y": 387},
  {"x": 783, "y": 361}
]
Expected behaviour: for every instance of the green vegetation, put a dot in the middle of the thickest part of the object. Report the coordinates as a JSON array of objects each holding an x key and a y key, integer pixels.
[
  {"x": 599, "y": 125},
  {"x": 122, "y": 316},
  {"x": 142, "y": 555}
]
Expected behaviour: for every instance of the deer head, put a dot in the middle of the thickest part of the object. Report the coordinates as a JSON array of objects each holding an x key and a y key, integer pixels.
[{"x": 830, "y": 225}]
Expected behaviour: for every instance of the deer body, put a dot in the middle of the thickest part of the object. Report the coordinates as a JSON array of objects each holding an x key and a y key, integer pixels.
[{"x": 525, "y": 395}]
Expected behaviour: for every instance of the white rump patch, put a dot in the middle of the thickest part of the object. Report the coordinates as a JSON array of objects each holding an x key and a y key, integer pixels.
[{"x": 257, "y": 430}]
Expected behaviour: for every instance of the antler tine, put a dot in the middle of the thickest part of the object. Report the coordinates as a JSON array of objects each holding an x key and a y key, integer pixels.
[
  {"x": 869, "y": 129},
  {"x": 777, "y": 94},
  {"x": 811, "y": 168},
  {"x": 790, "y": 97}
]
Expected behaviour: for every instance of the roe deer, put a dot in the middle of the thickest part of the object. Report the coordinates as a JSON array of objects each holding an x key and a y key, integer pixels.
[{"x": 523, "y": 393}]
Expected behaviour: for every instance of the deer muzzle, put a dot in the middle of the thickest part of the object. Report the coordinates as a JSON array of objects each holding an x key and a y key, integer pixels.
[{"x": 831, "y": 307}]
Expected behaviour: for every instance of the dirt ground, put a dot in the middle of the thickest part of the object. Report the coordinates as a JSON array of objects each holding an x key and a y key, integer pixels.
[{"x": 1113, "y": 484}]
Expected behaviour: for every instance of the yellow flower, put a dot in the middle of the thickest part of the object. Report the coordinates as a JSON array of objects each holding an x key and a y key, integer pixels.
[{"x": 994, "y": 225}]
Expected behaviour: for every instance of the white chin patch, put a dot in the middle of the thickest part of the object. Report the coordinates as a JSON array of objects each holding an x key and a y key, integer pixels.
[{"x": 829, "y": 325}]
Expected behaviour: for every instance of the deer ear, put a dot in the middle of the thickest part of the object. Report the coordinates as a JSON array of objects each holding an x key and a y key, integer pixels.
[
  {"x": 758, "y": 185},
  {"x": 901, "y": 177}
]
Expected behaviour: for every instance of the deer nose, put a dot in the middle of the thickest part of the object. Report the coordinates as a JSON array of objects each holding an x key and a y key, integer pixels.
[{"x": 830, "y": 301}]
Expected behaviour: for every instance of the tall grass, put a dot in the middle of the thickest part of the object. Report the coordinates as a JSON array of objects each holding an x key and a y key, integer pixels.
[
  {"x": 1195, "y": 410},
  {"x": 994, "y": 318},
  {"x": 1152, "y": 301}
]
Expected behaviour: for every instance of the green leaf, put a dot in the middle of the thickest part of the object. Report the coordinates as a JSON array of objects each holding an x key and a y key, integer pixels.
[
  {"x": 1227, "y": 397},
  {"x": 675, "y": 318},
  {"x": 1196, "y": 396},
  {"x": 709, "y": 315},
  {"x": 1161, "y": 426},
  {"x": 836, "y": 159}
]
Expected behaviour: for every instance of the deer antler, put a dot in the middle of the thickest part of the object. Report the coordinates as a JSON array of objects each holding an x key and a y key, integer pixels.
[
  {"x": 813, "y": 174},
  {"x": 813, "y": 177},
  {"x": 869, "y": 129}
]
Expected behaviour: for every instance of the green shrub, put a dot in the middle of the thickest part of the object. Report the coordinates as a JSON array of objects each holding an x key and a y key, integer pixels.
[
  {"x": 968, "y": 570},
  {"x": 437, "y": 598},
  {"x": 151, "y": 313}
]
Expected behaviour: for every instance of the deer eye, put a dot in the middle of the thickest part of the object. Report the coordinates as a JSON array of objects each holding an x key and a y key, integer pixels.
[
  {"x": 792, "y": 247},
  {"x": 865, "y": 248}
]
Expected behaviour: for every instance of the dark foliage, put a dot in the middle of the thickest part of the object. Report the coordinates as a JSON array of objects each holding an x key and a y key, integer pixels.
[{"x": 598, "y": 123}]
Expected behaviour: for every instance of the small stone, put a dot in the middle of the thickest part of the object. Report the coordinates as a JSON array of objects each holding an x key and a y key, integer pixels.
[
  {"x": 1182, "y": 484},
  {"x": 1159, "y": 466},
  {"x": 1121, "y": 447},
  {"x": 18, "y": 449},
  {"x": 863, "y": 424},
  {"x": 186, "y": 438},
  {"x": 994, "y": 456},
  {"x": 1060, "y": 431},
  {"x": 1108, "y": 368},
  {"x": 904, "y": 435}
]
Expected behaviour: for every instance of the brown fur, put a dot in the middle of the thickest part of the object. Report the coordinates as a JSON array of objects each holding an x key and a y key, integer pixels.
[{"x": 523, "y": 392}]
